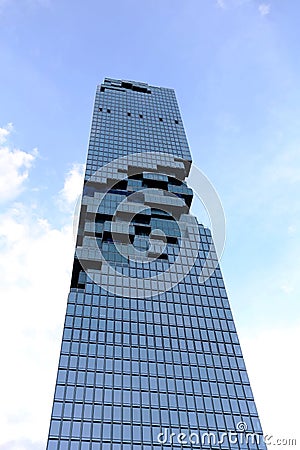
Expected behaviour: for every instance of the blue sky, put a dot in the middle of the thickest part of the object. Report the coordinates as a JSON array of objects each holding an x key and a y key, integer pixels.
[{"x": 235, "y": 67}]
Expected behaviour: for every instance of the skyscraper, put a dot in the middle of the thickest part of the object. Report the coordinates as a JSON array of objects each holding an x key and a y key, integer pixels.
[{"x": 150, "y": 357}]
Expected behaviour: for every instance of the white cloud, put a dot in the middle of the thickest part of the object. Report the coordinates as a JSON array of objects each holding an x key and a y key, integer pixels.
[
  {"x": 264, "y": 9},
  {"x": 4, "y": 132},
  {"x": 72, "y": 186},
  {"x": 14, "y": 167},
  {"x": 23, "y": 444},
  {"x": 273, "y": 368},
  {"x": 266, "y": 308},
  {"x": 35, "y": 265},
  {"x": 228, "y": 4}
]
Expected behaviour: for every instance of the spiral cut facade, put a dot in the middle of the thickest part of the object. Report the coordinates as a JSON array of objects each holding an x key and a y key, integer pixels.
[{"x": 150, "y": 357}]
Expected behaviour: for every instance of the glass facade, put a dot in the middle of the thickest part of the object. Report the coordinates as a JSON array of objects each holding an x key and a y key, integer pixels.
[{"x": 150, "y": 357}]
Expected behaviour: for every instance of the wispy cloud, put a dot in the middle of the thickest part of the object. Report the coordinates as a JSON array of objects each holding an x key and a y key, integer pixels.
[
  {"x": 14, "y": 166},
  {"x": 273, "y": 370},
  {"x": 7, "y": 6},
  {"x": 22, "y": 444},
  {"x": 72, "y": 186},
  {"x": 35, "y": 264},
  {"x": 227, "y": 4},
  {"x": 221, "y": 4},
  {"x": 285, "y": 166},
  {"x": 4, "y": 132},
  {"x": 264, "y": 9}
]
